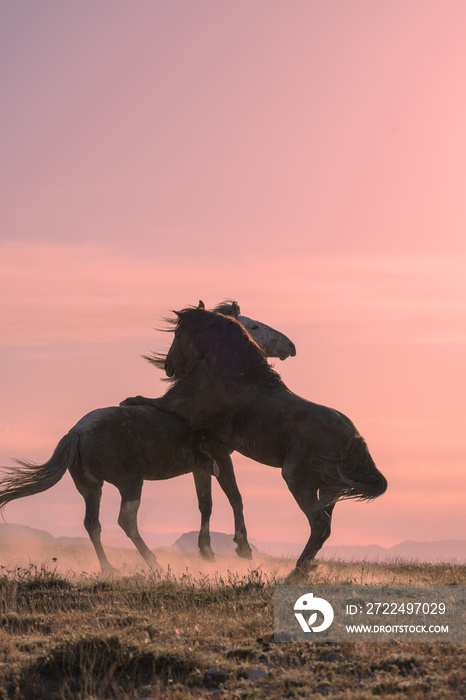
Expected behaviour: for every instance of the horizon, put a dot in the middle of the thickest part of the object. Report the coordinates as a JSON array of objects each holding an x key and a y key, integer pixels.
[
  {"x": 306, "y": 160},
  {"x": 56, "y": 531},
  {"x": 451, "y": 551}
]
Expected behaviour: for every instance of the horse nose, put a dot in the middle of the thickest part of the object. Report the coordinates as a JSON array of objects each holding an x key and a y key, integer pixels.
[{"x": 292, "y": 349}]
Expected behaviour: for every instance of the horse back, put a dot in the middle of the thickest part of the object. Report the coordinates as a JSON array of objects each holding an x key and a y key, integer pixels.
[
  {"x": 136, "y": 442},
  {"x": 282, "y": 424}
]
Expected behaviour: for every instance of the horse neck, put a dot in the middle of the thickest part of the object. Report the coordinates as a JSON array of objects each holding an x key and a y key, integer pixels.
[{"x": 201, "y": 398}]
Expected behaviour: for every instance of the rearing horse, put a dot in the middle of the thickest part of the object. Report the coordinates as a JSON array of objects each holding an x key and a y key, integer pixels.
[
  {"x": 125, "y": 446},
  {"x": 222, "y": 381},
  {"x": 273, "y": 344}
]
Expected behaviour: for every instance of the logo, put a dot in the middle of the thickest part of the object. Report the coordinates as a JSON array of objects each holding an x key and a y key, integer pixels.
[{"x": 308, "y": 604}]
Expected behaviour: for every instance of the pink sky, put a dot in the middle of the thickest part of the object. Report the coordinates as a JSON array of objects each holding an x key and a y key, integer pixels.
[{"x": 306, "y": 159}]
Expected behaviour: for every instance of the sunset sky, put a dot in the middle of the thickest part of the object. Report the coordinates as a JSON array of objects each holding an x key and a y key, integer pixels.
[{"x": 306, "y": 158}]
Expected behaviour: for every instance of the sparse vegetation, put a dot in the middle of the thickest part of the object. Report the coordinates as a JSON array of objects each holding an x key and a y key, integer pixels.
[{"x": 185, "y": 636}]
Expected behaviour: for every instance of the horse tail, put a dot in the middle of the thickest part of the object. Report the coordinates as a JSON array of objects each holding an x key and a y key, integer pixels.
[
  {"x": 29, "y": 478},
  {"x": 361, "y": 478}
]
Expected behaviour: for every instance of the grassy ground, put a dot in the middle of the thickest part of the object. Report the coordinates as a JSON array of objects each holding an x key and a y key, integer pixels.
[{"x": 202, "y": 635}]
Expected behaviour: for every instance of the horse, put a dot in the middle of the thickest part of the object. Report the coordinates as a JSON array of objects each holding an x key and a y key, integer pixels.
[
  {"x": 125, "y": 446},
  {"x": 272, "y": 342},
  {"x": 222, "y": 380}
]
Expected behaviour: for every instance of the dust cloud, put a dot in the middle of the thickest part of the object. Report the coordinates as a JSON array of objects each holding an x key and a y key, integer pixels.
[
  {"x": 73, "y": 560},
  {"x": 78, "y": 561}
]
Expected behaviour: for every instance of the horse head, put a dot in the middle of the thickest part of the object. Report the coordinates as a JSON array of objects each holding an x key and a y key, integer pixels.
[
  {"x": 182, "y": 357},
  {"x": 272, "y": 342},
  {"x": 217, "y": 343}
]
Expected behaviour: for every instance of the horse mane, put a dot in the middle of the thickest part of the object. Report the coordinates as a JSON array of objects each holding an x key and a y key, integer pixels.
[
  {"x": 158, "y": 358},
  {"x": 228, "y": 307},
  {"x": 249, "y": 360}
]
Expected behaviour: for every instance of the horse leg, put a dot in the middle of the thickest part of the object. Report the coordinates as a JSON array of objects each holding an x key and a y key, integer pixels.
[
  {"x": 319, "y": 518},
  {"x": 227, "y": 481},
  {"x": 324, "y": 499},
  {"x": 127, "y": 520},
  {"x": 203, "y": 483},
  {"x": 90, "y": 488}
]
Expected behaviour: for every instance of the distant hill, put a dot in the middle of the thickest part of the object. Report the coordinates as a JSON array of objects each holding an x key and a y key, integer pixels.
[
  {"x": 24, "y": 533},
  {"x": 432, "y": 552},
  {"x": 111, "y": 537}
]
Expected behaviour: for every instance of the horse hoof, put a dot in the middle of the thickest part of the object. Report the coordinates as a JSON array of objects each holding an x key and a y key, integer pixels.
[
  {"x": 109, "y": 572},
  {"x": 300, "y": 576},
  {"x": 207, "y": 554},
  {"x": 155, "y": 567},
  {"x": 244, "y": 551},
  {"x": 295, "y": 578}
]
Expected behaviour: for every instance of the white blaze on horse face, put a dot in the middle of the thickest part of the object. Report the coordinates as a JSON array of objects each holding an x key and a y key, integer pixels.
[{"x": 272, "y": 342}]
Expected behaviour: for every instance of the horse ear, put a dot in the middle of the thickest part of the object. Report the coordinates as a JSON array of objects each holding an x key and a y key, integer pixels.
[
  {"x": 201, "y": 304},
  {"x": 235, "y": 308}
]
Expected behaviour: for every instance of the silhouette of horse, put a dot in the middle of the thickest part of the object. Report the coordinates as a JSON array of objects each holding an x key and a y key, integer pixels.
[
  {"x": 222, "y": 381},
  {"x": 127, "y": 445},
  {"x": 123, "y": 446},
  {"x": 272, "y": 342}
]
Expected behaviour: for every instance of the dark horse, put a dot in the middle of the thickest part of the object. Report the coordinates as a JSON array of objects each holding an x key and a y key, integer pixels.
[
  {"x": 125, "y": 446},
  {"x": 222, "y": 381}
]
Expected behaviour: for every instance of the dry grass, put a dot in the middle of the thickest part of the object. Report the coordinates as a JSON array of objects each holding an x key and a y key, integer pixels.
[{"x": 159, "y": 636}]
